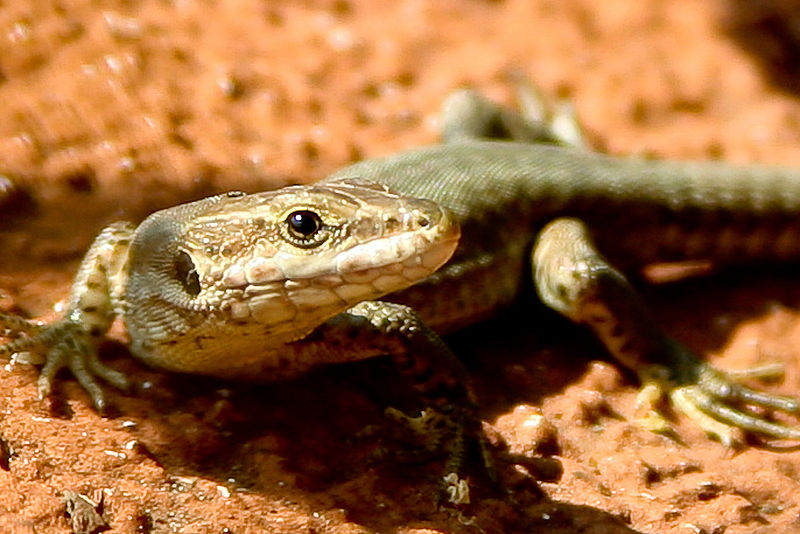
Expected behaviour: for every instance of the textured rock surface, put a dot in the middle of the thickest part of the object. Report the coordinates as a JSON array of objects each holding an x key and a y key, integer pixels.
[{"x": 115, "y": 109}]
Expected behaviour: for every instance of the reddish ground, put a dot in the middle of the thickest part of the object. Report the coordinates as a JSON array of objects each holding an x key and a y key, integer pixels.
[{"x": 113, "y": 109}]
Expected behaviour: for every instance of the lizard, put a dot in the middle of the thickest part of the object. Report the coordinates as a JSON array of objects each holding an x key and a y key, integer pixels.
[{"x": 387, "y": 255}]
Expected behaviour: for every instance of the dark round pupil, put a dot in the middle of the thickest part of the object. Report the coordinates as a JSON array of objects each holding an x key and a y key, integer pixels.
[{"x": 304, "y": 222}]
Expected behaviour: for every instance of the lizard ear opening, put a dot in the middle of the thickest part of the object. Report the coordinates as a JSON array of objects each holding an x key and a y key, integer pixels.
[{"x": 186, "y": 273}]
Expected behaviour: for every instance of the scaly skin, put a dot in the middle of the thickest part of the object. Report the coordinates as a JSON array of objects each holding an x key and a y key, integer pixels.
[
  {"x": 639, "y": 211},
  {"x": 224, "y": 286},
  {"x": 266, "y": 286}
]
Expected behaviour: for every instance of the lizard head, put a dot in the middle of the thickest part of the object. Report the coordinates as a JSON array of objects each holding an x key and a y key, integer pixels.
[{"x": 218, "y": 272}]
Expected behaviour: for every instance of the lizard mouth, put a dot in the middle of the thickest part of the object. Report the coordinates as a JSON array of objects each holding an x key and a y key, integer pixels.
[
  {"x": 409, "y": 259},
  {"x": 426, "y": 247}
]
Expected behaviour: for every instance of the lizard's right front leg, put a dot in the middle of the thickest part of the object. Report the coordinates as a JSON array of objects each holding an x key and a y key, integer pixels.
[
  {"x": 94, "y": 303},
  {"x": 450, "y": 423}
]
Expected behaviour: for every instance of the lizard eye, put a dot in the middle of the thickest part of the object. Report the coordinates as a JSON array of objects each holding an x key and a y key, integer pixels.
[
  {"x": 186, "y": 273},
  {"x": 303, "y": 224},
  {"x": 304, "y": 228}
]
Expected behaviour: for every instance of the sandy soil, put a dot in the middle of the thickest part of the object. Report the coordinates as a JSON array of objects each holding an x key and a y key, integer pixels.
[{"x": 113, "y": 109}]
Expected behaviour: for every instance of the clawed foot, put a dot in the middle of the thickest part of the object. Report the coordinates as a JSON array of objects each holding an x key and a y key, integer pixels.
[
  {"x": 468, "y": 115},
  {"x": 435, "y": 433},
  {"x": 716, "y": 402},
  {"x": 64, "y": 344}
]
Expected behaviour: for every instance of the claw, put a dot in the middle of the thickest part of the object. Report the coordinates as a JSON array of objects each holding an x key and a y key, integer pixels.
[
  {"x": 711, "y": 398},
  {"x": 109, "y": 375},
  {"x": 434, "y": 432},
  {"x": 557, "y": 118},
  {"x": 66, "y": 345},
  {"x": 765, "y": 400},
  {"x": 720, "y": 384},
  {"x": 709, "y": 402},
  {"x": 732, "y": 417},
  {"x": 683, "y": 401},
  {"x": 18, "y": 325},
  {"x": 763, "y": 372},
  {"x": 77, "y": 365},
  {"x": 15, "y": 324},
  {"x": 646, "y": 413}
]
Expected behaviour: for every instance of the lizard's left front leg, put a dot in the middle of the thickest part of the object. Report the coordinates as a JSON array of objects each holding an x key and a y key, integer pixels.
[
  {"x": 573, "y": 278},
  {"x": 450, "y": 423}
]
